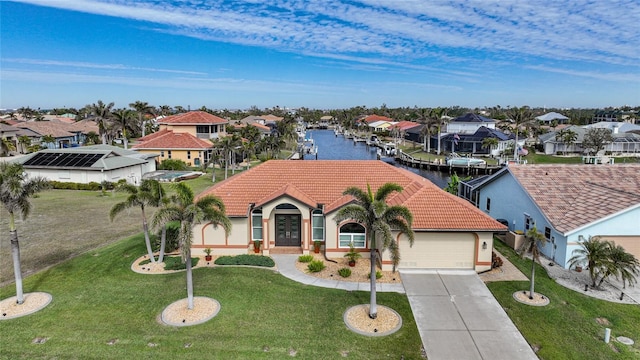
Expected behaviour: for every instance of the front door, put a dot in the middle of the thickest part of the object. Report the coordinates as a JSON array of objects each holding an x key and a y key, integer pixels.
[{"x": 287, "y": 230}]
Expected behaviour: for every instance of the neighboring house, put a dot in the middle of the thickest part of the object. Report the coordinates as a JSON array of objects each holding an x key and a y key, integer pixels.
[
  {"x": 615, "y": 115},
  {"x": 66, "y": 134},
  {"x": 368, "y": 119},
  {"x": 625, "y": 139},
  {"x": 175, "y": 145},
  {"x": 472, "y": 142},
  {"x": 469, "y": 123},
  {"x": 13, "y": 134},
  {"x": 290, "y": 204},
  {"x": 87, "y": 164},
  {"x": 566, "y": 203},
  {"x": 549, "y": 118},
  {"x": 380, "y": 125},
  {"x": 264, "y": 129},
  {"x": 261, "y": 119},
  {"x": 200, "y": 124},
  {"x": 415, "y": 133}
]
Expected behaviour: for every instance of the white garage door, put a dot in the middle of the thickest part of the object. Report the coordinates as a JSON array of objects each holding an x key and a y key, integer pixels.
[
  {"x": 631, "y": 244},
  {"x": 438, "y": 251}
]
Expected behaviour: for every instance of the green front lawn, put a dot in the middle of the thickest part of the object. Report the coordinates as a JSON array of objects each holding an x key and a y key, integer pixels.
[
  {"x": 567, "y": 328},
  {"x": 97, "y": 299}
]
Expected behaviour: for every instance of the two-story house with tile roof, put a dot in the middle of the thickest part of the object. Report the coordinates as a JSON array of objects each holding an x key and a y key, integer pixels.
[
  {"x": 170, "y": 144},
  {"x": 290, "y": 204},
  {"x": 200, "y": 124},
  {"x": 566, "y": 203}
]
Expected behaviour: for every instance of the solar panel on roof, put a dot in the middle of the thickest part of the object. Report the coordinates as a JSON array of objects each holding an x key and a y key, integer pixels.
[{"x": 63, "y": 160}]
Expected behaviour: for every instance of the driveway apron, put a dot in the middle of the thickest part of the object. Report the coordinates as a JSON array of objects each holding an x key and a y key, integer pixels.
[{"x": 458, "y": 317}]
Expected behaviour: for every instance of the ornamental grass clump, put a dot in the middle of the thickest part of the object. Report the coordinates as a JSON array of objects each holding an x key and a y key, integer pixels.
[
  {"x": 344, "y": 272},
  {"x": 305, "y": 258},
  {"x": 316, "y": 266}
]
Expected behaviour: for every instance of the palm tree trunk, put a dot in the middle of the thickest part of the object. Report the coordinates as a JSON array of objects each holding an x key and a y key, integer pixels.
[
  {"x": 163, "y": 242},
  {"x": 15, "y": 254},
  {"x": 189, "y": 281},
  {"x": 147, "y": 241},
  {"x": 373, "y": 307},
  {"x": 439, "y": 136},
  {"x": 126, "y": 142},
  {"x": 533, "y": 277}
]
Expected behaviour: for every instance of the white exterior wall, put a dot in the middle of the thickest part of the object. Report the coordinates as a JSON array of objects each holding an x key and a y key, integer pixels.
[
  {"x": 132, "y": 175},
  {"x": 207, "y": 236},
  {"x": 468, "y": 128}
]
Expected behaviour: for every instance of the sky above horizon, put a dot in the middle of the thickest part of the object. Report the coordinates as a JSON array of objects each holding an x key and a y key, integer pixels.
[{"x": 320, "y": 54}]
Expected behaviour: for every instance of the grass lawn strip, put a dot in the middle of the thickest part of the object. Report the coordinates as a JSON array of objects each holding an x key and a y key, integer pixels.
[
  {"x": 103, "y": 310},
  {"x": 572, "y": 326}
]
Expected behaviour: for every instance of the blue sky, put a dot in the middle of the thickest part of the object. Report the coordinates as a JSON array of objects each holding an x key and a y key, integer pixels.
[{"x": 320, "y": 54}]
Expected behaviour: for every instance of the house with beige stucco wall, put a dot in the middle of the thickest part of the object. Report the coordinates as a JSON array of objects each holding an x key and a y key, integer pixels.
[{"x": 288, "y": 205}]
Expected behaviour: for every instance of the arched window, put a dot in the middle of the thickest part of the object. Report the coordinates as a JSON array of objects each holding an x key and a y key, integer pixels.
[{"x": 352, "y": 233}]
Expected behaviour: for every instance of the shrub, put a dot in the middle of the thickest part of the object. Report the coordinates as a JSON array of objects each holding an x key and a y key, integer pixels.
[
  {"x": 245, "y": 259},
  {"x": 496, "y": 261},
  {"x": 173, "y": 164},
  {"x": 171, "y": 242},
  {"x": 316, "y": 266},
  {"x": 92, "y": 186},
  {"x": 175, "y": 263},
  {"x": 305, "y": 258},
  {"x": 378, "y": 274},
  {"x": 344, "y": 272}
]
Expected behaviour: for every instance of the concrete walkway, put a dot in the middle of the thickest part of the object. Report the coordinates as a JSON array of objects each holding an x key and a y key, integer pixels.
[{"x": 457, "y": 316}]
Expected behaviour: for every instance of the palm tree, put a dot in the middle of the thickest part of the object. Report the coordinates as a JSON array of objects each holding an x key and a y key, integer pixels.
[
  {"x": 489, "y": 143},
  {"x": 438, "y": 116},
  {"x": 594, "y": 252},
  {"x": 142, "y": 108},
  {"x": 123, "y": 117},
  {"x": 533, "y": 240},
  {"x": 24, "y": 142},
  {"x": 6, "y": 146},
  {"x": 227, "y": 145},
  {"x": 48, "y": 139},
  {"x": 15, "y": 190},
  {"x": 623, "y": 265},
  {"x": 102, "y": 116},
  {"x": 519, "y": 116},
  {"x": 190, "y": 212},
  {"x": 150, "y": 193},
  {"x": 378, "y": 218}
]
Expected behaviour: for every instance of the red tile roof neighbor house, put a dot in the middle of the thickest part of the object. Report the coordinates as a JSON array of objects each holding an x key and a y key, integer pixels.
[
  {"x": 373, "y": 118},
  {"x": 167, "y": 139},
  {"x": 193, "y": 118},
  {"x": 324, "y": 181}
]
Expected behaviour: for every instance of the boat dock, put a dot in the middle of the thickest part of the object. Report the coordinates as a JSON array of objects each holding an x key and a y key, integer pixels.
[{"x": 408, "y": 160}]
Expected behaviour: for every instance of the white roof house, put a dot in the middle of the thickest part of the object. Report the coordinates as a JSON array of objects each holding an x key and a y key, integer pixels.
[{"x": 87, "y": 164}]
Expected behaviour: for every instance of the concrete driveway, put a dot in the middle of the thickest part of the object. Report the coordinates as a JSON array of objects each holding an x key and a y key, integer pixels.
[{"x": 458, "y": 317}]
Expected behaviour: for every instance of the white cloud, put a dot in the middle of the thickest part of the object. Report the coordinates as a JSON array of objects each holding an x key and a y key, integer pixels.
[{"x": 78, "y": 64}]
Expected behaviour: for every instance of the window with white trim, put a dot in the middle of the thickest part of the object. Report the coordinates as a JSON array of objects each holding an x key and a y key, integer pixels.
[
  {"x": 256, "y": 225},
  {"x": 317, "y": 225},
  {"x": 352, "y": 233}
]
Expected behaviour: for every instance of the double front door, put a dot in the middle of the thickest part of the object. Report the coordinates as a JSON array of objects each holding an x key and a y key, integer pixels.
[{"x": 288, "y": 230}]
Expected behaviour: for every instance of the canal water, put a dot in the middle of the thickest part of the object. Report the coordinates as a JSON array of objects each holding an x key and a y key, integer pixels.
[{"x": 332, "y": 147}]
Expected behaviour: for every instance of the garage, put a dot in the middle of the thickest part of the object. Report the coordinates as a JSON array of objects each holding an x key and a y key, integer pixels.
[
  {"x": 439, "y": 251},
  {"x": 631, "y": 244}
]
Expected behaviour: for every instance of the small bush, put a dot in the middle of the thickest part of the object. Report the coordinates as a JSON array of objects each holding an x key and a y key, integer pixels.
[
  {"x": 305, "y": 258},
  {"x": 378, "y": 274},
  {"x": 171, "y": 242},
  {"x": 496, "y": 261},
  {"x": 316, "y": 266},
  {"x": 173, "y": 164},
  {"x": 245, "y": 259},
  {"x": 344, "y": 272},
  {"x": 175, "y": 263}
]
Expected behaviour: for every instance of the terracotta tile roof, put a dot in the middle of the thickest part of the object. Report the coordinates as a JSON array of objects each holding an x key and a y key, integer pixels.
[
  {"x": 324, "y": 181},
  {"x": 193, "y": 118},
  {"x": 55, "y": 129},
  {"x": 571, "y": 196},
  {"x": 373, "y": 118},
  {"x": 404, "y": 125},
  {"x": 154, "y": 135},
  {"x": 167, "y": 139}
]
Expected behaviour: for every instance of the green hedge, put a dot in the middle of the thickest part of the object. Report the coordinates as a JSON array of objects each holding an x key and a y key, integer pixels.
[
  {"x": 255, "y": 260},
  {"x": 92, "y": 186}
]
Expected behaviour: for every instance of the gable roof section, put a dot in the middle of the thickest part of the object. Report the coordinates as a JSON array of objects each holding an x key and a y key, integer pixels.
[
  {"x": 324, "y": 181},
  {"x": 173, "y": 140},
  {"x": 572, "y": 196},
  {"x": 373, "y": 118},
  {"x": 193, "y": 118},
  {"x": 472, "y": 118},
  {"x": 43, "y": 128}
]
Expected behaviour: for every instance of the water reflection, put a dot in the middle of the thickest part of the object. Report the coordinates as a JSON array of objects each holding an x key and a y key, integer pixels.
[{"x": 331, "y": 147}]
